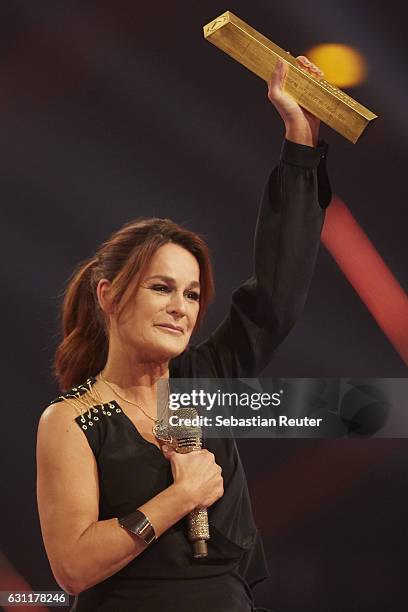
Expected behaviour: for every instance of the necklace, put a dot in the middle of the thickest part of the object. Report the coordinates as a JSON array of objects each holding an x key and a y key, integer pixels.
[{"x": 127, "y": 400}]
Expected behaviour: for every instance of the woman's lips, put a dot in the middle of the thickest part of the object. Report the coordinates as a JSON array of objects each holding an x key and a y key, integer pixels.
[{"x": 170, "y": 328}]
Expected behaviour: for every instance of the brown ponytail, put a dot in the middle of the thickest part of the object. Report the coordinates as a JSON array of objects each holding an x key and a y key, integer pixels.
[{"x": 122, "y": 260}]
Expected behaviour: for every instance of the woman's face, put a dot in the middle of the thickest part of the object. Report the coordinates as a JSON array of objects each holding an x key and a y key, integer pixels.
[{"x": 158, "y": 321}]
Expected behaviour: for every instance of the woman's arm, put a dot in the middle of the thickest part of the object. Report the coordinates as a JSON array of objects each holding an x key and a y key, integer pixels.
[
  {"x": 287, "y": 239},
  {"x": 82, "y": 550},
  {"x": 300, "y": 126}
]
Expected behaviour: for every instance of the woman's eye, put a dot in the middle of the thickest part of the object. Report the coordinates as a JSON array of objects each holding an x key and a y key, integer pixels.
[
  {"x": 161, "y": 288},
  {"x": 193, "y": 295}
]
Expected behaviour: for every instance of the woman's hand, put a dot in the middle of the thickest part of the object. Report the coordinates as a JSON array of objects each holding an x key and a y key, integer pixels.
[
  {"x": 197, "y": 475},
  {"x": 301, "y": 126}
]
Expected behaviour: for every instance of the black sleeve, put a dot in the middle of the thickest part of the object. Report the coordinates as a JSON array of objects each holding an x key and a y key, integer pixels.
[{"x": 287, "y": 238}]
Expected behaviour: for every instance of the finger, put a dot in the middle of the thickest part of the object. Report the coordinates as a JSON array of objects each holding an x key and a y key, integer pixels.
[
  {"x": 302, "y": 59},
  {"x": 167, "y": 451},
  {"x": 306, "y": 64},
  {"x": 278, "y": 78},
  {"x": 316, "y": 70}
]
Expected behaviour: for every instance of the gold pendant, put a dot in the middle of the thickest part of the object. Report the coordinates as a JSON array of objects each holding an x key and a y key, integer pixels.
[{"x": 161, "y": 433}]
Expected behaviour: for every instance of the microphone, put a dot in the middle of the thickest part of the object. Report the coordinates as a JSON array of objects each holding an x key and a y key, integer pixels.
[{"x": 187, "y": 439}]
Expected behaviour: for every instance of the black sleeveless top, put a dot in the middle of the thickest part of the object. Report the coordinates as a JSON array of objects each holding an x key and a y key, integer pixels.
[{"x": 131, "y": 470}]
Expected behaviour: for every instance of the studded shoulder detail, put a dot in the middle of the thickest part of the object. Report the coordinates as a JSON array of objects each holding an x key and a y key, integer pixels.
[
  {"x": 94, "y": 412},
  {"x": 76, "y": 392},
  {"x": 87, "y": 404}
]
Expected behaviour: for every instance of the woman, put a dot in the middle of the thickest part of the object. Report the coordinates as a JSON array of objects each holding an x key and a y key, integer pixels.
[{"x": 111, "y": 501}]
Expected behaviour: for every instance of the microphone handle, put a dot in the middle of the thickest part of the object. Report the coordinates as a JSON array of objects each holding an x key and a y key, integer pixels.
[
  {"x": 199, "y": 532},
  {"x": 197, "y": 521}
]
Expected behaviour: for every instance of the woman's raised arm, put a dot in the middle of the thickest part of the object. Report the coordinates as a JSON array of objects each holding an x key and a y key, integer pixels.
[{"x": 287, "y": 239}]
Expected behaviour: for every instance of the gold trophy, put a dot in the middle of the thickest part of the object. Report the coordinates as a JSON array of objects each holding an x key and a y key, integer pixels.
[{"x": 257, "y": 53}]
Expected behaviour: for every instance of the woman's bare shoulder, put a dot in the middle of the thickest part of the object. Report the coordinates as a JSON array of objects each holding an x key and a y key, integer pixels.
[
  {"x": 59, "y": 435},
  {"x": 59, "y": 421},
  {"x": 56, "y": 414}
]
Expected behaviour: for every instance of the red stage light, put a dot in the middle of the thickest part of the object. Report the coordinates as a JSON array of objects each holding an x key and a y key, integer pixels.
[{"x": 368, "y": 274}]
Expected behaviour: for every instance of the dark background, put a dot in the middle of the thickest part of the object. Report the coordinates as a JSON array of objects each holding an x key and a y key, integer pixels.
[{"x": 114, "y": 110}]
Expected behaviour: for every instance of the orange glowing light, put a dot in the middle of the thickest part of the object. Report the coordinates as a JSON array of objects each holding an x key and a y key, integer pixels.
[{"x": 342, "y": 65}]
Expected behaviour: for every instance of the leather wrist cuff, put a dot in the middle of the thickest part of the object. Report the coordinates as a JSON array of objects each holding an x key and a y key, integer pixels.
[{"x": 139, "y": 524}]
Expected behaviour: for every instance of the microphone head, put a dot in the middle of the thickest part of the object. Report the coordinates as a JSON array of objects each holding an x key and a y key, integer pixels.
[
  {"x": 185, "y": 429},
  {"x": 184, "y": 423}
]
